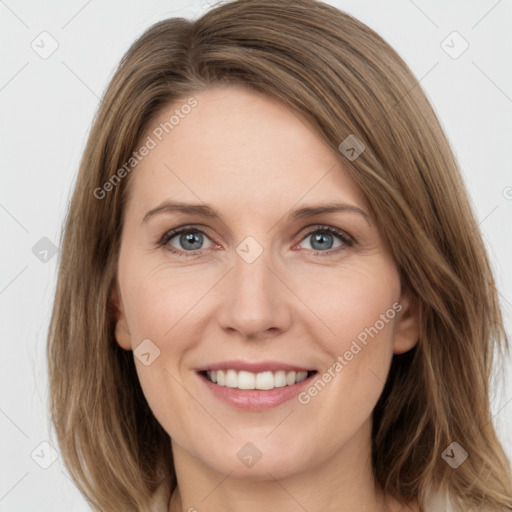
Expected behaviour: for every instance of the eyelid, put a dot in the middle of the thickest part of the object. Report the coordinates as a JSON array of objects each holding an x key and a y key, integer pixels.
[
  {"x": 170, "y": 234},
  {"x": 308, "y": 230}
]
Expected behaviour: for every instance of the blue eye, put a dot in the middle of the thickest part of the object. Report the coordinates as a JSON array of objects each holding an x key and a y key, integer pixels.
[
  {"x": 188, "y": 241},
  {"x": 322, "y": 239}
]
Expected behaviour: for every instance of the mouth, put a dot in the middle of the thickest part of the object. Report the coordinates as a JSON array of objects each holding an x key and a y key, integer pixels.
[
  {"x": 254, "y": 386},
  {"x": 263, "y": 381}
]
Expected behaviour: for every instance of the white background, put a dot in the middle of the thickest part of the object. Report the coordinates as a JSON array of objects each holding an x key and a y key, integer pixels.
[{"x": 47, "y": 106}]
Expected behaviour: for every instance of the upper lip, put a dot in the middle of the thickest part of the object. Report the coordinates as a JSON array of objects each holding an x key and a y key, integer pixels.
[{"x": 254, "y": 367}]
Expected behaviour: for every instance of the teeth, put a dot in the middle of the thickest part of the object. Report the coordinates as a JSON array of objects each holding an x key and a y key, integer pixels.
[
  {"x": 280, "y": 379},
  {"x": 265, "y": 380},
  {"x": 249, "y": 380},
  {"x": 231, "y": 379},
  {"x": 246, "y": 380},
  {"x": 290, "y": 378}
]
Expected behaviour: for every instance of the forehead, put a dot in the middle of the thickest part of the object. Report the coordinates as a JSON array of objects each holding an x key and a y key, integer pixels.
[{"x": 238, "y": 147}]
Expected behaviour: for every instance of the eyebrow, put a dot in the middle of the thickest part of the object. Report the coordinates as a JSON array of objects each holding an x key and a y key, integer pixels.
[{"x": 205, "y": 210}]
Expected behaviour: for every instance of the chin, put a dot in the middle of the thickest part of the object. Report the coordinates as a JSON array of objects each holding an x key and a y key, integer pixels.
[{"x": 246, "y": 462}]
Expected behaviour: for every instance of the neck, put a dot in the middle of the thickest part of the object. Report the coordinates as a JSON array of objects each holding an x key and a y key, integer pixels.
[{"x": 342, "y": 483}]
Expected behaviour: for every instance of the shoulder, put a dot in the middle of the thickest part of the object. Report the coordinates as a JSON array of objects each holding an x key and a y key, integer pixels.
[
  {"x": 438, "y": 502},
  {"x": 160, "y": 501}
]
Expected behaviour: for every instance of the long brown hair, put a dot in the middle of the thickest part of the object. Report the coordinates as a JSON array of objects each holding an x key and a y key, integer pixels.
[{"x": 345, "y": 80}]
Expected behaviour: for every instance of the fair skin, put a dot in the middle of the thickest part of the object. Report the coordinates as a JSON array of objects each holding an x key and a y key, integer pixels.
[{"x": 254, "y": 161}]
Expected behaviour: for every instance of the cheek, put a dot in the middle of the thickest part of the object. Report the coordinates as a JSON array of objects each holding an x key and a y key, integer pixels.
[
  {"x": 162, "y": 310},
  {"x": 359, "y": 306},
  {"x": 159, "y": 302},
  {"x": 164, "y": 306},
  {"x": 166, "y": 397},
  {"x": 355, "y": 303}
]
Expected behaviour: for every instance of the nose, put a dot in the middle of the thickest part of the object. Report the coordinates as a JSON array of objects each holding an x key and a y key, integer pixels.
[{"x": 256, "y": 302}]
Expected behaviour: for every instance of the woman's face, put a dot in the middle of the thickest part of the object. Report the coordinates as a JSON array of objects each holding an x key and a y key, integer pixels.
[{"x": 255, "y": 289}]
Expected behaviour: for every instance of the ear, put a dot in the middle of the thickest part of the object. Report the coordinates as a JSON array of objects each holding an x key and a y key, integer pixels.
[
  {"x": 122, "y": 333},
  {"x": 407, "y": 326}
]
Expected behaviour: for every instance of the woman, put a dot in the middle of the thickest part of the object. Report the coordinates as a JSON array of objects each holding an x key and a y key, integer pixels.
[{"x": 326, "y": 341}]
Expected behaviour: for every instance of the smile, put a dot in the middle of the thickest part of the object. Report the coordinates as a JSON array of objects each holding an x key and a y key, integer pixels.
[
  {"x": 255, "y": 386},
  {"x": 266, "y": 380}
]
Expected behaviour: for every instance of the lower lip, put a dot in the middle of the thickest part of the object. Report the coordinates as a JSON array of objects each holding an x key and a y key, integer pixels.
[{"x": 256, "y": 399}]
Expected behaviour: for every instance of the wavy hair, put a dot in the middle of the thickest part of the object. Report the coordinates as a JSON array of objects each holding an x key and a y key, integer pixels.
[{"x": 345, "y": 79}]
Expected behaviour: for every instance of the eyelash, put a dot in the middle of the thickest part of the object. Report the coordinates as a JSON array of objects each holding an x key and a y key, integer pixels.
[{"x": 169, "y": 235}]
